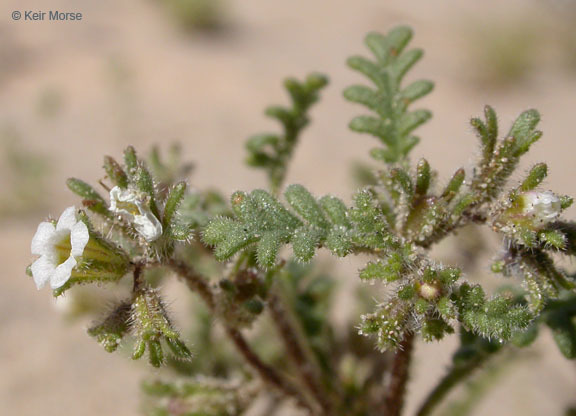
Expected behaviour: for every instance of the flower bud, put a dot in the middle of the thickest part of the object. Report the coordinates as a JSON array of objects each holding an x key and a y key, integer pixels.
[{"x": 428, "y": 291}]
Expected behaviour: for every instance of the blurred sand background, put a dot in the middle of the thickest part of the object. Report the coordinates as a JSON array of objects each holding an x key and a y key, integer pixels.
[{"x": 128, "y": 74}]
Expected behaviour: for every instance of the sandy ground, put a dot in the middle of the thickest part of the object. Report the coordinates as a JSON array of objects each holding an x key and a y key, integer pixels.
[{"x": 127, "y": 75}]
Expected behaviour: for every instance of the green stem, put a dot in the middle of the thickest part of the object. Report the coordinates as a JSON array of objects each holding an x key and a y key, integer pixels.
[{"x": 285, "y": 151}]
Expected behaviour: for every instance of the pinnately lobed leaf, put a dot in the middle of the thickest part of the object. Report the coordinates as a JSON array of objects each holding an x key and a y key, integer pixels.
[
  {"x": 262, "y": 220},
  {"x": 392, "y": 123}
]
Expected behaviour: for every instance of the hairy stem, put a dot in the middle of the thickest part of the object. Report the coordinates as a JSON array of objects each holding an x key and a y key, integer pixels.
[
  {"x": 137, "y": 277},
  {"x": 194, "y": 281},
  {"x": 394, "y": 398},
  {"x": 297, "y": 353},
  {"x": 198, "y": 284},
  {"x": 267, "y": 373},
  {"x": 455, "y": 376}
]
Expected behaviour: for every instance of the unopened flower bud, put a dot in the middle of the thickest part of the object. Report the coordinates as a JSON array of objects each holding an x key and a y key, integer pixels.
[
  {"x": 428, "y": 291},
  {"x": 542, "y": 207}
]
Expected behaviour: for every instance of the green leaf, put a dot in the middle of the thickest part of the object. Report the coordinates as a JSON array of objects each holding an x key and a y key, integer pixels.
[
  {"x": 370, "y": 70},
  {"x": 268, "y": 248},
  {"x": 410, "y": 121},
  {"x": 376, "y": 127},
  {"x": 258, "y": 142},
  {"x": 91, "y": 198},
  {"x": 228, "y": 236},
  {"x": 262, "y": 220},
  {"x": 131, "y": 161},
  {"x": 393, "y": 123},
  {"x": 487, "y": 132},
  {"x": 305, "y": 205},
  {"x": 454, "y": 185},
  {"x": 523, "y": 130},
  {"x": 537, "y": 174},
  {"x": 365, "y": 96},
  {"x": 404, "y": 63},
  {"x": 416, "y": 90},
  {"x": 388, "y": 270},
  {"x": 498, "y": 317},
  {"x": 423, "y": 177},
  {"x": 115, "y": 172},
  {"x": 335, "y": 210},
  {"x": 304, "y": 243},
  {"x": 272, "y": 152},
  {"x": 173, "y": 202}
]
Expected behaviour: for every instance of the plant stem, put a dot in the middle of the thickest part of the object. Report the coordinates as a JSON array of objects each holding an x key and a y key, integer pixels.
[
  {"x": 267, "y": 373},
  {"x": 137, "y": 277},
  {"x": 394, "y": 398},
  {"x": 297, "y": 353},
  {"x": 197, "y": 283},
  {"x": 456, "y": 374},
  {"x": 194, "y": 280}
]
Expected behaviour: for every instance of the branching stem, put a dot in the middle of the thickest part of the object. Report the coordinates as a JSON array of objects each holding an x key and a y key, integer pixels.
[
  {"x": 297, "y": 353},
  {"x": 198, "y": 284},
  {"x": 267, "y": 373}
]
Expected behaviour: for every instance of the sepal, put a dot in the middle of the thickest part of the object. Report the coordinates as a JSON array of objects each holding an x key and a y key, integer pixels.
[
  {"x": 150, "y": 324},
  {"x": 110, "y": 331}
]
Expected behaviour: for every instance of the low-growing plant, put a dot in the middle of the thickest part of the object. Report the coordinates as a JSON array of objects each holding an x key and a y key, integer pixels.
[{"x": 264, "y": 326}]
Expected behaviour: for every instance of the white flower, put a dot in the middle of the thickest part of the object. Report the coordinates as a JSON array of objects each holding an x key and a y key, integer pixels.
[
  {"x": 542, "y": 206},
  {"x": 58, "y": 246},
  {"x": 134, "y": 205}
]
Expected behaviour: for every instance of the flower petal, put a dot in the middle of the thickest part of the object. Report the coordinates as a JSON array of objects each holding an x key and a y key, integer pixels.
[
  {"x": 148, "y": 226},
  {"x": 67, "y": 219},
  {"x": 114, "y": 196},
  {"x": 42, "y": 271},
  {"x": 62, "y": 273},
  {"x": 40, "y": 240},
  {"x": 79, "y": 237}
]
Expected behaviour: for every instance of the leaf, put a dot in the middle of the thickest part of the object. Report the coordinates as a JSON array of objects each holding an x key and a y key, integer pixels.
[
  {"x": 272, "y": 152},
  {"x": 172, "y": 202},
  {"x": 91, "y": 198},
  {"x": 523, "y": 130},
  {"x": 416, "y": 90},
  {"x": 392, "y": 123},
  {"x": 305, "y": 205},
  {"x": 131, "y": 161},
  {"x": 115, "y": 172},
  {"x": 262, "y": 220},
  {"x": 537, "y": 174}
]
